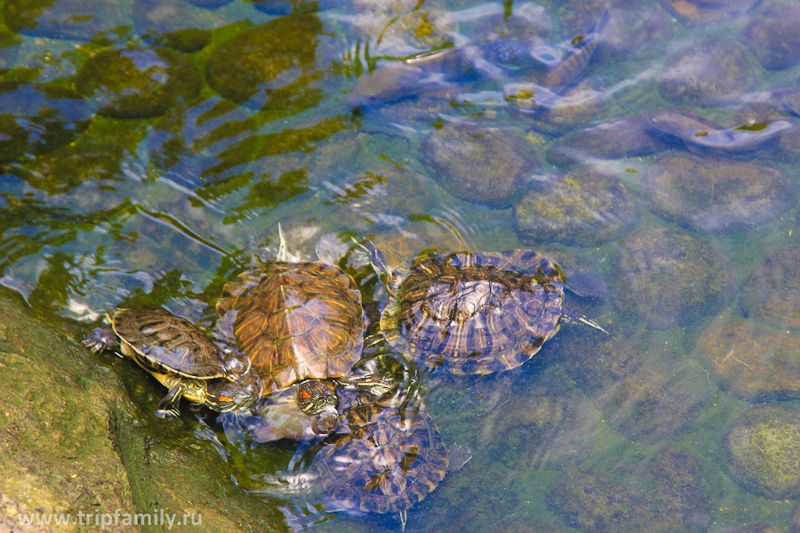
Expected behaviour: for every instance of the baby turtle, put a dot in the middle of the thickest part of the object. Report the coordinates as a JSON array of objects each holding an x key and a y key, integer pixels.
[
  {"x": 181, "y": 357},
  {"x": 476, "y": 313}
]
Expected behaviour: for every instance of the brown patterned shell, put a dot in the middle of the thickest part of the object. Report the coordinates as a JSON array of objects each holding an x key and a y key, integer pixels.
[
  {"x": 391, "y": 459},
  {"x": 295, "y": 321},
  {"x": 167, "y": 343},
  {"x": 475, "y": 313}
]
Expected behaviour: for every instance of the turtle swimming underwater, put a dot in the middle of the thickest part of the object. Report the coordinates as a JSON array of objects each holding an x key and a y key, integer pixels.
[
  {"x": 476, "y": 313},
  {"x": 181, "y": 357}
]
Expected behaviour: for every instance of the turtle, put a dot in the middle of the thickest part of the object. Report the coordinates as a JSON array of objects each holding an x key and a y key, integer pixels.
[
  {"x": 392, "y": 458},
  {"x": 476, "y": 313},
  {"x": 299, "y": 322},
  {"x": 181, "y": 357}
]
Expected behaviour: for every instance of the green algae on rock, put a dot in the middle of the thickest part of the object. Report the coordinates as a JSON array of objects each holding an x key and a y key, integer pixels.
[
  {"x": 38, "y": 118},
  {"x": 138, "y": 82},
  {"x": 762, "y": 452},
  {"x": 751, "y": 360},
  {"x": 674, "y": 494},
  {"x": 711, "y": 194},
  {"x": 583, "y": 208},
  {"x": 266, "y": 54},
  {"x": 73, "y": 441},
  {"x": 771, "y": 293},
  {"x": 483, "y": 165},
  {"x": 64, "y": 19},
  {"x": 668, "y": 278}
]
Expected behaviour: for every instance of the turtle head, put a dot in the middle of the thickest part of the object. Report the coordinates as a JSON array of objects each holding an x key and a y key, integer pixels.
[
  {"x": 223, "y": 395},
  {"x": 235, "y": 362},
  {"x": 318, "y": 397},
  {"x": 325, "y": 421}
]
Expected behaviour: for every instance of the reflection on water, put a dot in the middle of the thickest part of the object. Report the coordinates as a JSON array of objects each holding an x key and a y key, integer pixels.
[{"x": 149, "y": 149}]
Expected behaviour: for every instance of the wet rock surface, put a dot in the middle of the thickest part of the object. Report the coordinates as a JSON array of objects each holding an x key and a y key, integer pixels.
[
  {"x": 711, "y": 194},
  {"x": 762, "y": 452},
  {"x": 73, "y": 442},
  {"x": 771, "y": 293},
  {"x": 583, "y": 208},
  {"x": 668, "y": 278},
  {"x": 138, "y": 82},
  {"x": 482, "y": 165}
]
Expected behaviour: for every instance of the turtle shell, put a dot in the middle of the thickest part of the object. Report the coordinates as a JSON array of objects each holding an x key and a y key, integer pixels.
[
  {"x": 295, "y": 321},
  {"x": 475, "y": 313},
  {"x": 163, "y": 342},
  {"x": 391, "y": 459}
]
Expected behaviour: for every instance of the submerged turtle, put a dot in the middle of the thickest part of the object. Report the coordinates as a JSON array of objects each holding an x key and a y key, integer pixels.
[
  {"x": 390, "y": 460},
  {"x": 181, "y": 357},
  {"x": 476, "y": 313}
]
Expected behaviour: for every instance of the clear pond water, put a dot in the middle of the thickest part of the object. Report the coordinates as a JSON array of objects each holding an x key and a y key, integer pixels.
[{"x": 149, "y": 150}]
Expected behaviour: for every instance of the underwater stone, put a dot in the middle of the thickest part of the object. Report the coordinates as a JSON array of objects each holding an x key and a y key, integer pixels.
[
  {"x": 711, "y": 194},
  {"x": 772, "y": 34},
  {"x": 751, "y": 360},
  {"x": 771, "y": 293},
  {"x": 138, "y": 82},
  {"x": 241, "y": 66},
  {"x": 483, "y": 165},
  {"x": 668, "y": 278},
  {"x": 64, "y": 19},
  {"x": 762, "y": 452},
  {"x": 36, "y": 118},
  {"x": 583, "y": 208},
  {"x": 709, "y": 71}
]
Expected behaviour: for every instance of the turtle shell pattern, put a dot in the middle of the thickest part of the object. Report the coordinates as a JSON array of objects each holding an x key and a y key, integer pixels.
[
  {"x": 165, "y": 343},
  {"x": 391, "y": 459},
  {"x": 475, "y": 313},
  {"x": 295, "y": 321}
]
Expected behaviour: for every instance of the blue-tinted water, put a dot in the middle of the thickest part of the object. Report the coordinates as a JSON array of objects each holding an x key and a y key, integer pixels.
[{"x": 150, "y": 149}]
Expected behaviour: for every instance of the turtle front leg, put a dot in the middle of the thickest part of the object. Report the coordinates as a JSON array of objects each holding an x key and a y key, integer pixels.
[
  {"x": 374, "y": 384},
  {"x": 102, "y": 339},
  {"x": 168, "y": 406}
]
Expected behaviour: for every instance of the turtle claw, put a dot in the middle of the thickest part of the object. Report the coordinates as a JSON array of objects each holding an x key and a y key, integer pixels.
[
  {"x": 101, "y": 339},
  {"x": 168, "y": 406}
]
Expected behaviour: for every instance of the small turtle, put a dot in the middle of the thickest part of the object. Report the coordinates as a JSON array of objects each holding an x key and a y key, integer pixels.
[
  {"x": 476, "y": 313},
  {"x": 181, "y": 357},
  {"x": 391, "y": 459}
]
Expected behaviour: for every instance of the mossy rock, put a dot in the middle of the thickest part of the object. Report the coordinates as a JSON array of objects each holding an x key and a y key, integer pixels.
[
  {"x": 668, "y": 278},
  {"x": 138, "y": 82},
  {"x": 241, "y": 66},
  {"x": 751, "y": 360},
  {"x": 762, "y": 452},
  {"x": 583, "y": 208},
  {"x": 483, "y": 165},
  {"x": 73, "y": 441}
]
